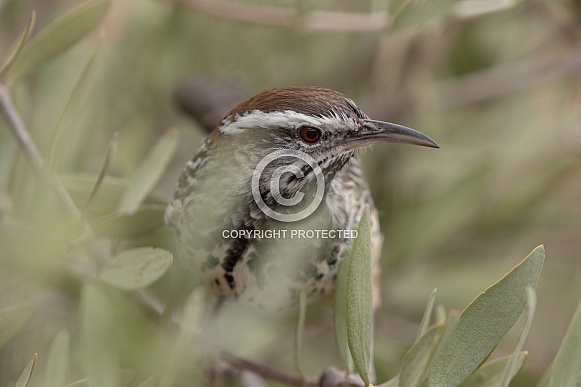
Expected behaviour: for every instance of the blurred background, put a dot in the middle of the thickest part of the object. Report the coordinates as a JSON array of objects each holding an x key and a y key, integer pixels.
[{"x": 495, "y": 83}]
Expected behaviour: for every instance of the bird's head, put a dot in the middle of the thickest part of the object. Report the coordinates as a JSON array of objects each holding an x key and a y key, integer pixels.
[
  {"x": 284, "y": 140},
  {"x": 321, "y": 123}
]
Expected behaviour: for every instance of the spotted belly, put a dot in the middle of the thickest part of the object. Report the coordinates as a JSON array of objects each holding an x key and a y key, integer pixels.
[{"x": 269, "y": 274}]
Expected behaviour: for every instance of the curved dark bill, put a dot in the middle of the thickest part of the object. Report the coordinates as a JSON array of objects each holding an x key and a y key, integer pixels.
[{"x": 379, "y": 131}]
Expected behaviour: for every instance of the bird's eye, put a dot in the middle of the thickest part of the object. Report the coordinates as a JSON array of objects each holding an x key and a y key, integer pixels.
[{"x": 309, "y": 134}]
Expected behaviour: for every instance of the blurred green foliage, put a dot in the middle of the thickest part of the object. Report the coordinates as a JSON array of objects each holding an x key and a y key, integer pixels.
[{"x": 499, "y": 91}]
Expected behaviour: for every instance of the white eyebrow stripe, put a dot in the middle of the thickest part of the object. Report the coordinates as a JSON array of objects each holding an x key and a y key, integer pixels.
[{"x": 287, "y": 119}]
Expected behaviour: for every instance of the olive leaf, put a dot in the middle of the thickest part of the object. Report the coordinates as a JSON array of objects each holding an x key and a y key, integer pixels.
[
  {"x": 491, "y": 373},
  {"x": 566, "y": 368},
  {"x": 484, "y": 322},
  {"x": 57, "y": 364},
  {"x": 16, "y": 48},
  {"x": 339, "y": 313},
  {"x": 360, "y": 298},
  {"x": 59, "y": 36},
  {"x": 299, "y": 334},
  {"x": 136, "y": 268},
  {"x": 24, "y": 378},
  {"x": 417, "y": 359},
  {"x": 149, "y": 172}
]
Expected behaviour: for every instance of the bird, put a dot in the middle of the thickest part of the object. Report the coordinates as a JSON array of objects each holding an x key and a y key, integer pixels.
[{"x": 267, "y": 206}]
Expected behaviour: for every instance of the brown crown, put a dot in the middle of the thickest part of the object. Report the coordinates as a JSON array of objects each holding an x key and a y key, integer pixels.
[{"x": 310, "y": 100}]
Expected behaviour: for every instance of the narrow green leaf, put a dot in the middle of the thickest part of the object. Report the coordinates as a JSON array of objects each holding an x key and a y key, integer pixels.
[
  {"x": 417, "y": 359},
  {"x": 116, "y": 225},
  {"x": 512, "y": 366},
  {"x": 194, "y": 308},
  {"x": 492, "y": 372},
  {"x": 484, "y": 322},
  {"x": 24, "y": 378},
  {"x": 106, "y": 200},
  {"x": 99, "y": 332},
  {"x": 57, "y": 364},
  {"x": 16, "y": 48},
  {"x": 299, "y": 334},
  {"x": 80, "y": 383},
  {"x": 566, "y": 368},
  {"x": 195, "y": 320},
  {"x": 59, "y": 36},
  {"x": 393, "y": 382},
  {"x": 441, "y": 314},
  {"x": 340, "y": 312},
  {"x": 360, "y": 298},
  {"x": 109, "y": 154},
  {"x": 13, "y": 319},
  {"x": 425, "y": 324},
  {"x": 136, "y": 268},
  {"x": 75, "y": 95},
  {"x": 149, "y": 171}
]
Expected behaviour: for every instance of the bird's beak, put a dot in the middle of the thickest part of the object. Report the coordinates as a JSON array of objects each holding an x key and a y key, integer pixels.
[{"x": 379, "y": 131}]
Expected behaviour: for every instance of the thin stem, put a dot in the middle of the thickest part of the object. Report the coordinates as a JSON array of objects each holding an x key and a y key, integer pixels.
[
  {"x": 18, "y": 129},
  {"x": 268, "y": 372}
]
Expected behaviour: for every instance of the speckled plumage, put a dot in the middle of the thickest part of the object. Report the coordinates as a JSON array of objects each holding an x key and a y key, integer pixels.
[{"x": 214, "y": 196}]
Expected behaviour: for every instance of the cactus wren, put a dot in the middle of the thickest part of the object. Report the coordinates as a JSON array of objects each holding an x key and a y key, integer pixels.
[{"x": 277, "y": 153}]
